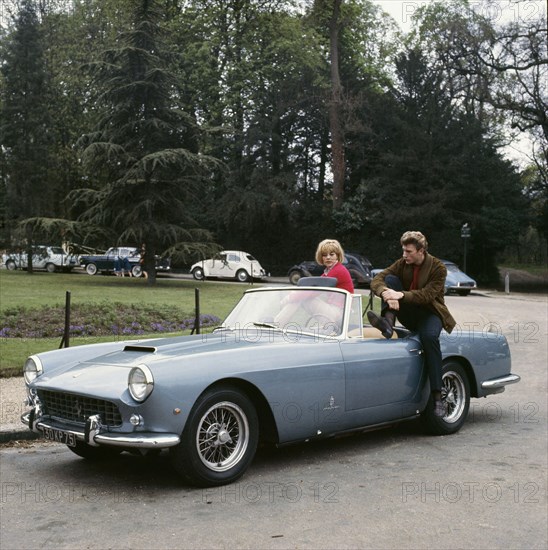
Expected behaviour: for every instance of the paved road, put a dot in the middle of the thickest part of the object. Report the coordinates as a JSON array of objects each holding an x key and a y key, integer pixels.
[{"x": 484, "y": 487}]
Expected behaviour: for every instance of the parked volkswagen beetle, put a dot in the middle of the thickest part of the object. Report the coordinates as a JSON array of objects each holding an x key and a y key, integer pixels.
[{"x": 229, "y": 264}]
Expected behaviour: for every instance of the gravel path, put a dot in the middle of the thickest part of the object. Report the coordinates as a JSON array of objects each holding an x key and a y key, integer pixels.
[{"x": 12, "y": 402}]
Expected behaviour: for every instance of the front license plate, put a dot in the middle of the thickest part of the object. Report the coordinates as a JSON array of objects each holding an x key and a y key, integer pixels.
[{"x": 52, "y": 434}]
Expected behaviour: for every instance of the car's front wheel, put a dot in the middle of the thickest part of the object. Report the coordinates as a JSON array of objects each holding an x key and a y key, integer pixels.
[
  {"x": 10, "y": 265},
  {"x": 198, "y": 273},
  {"x": 84, "y": 450},
  {"x": 219, "y": 440},
  {"x": 242, "y": 275},
  {"x": 91, "y": 269},
  {"x": 137, "y": 270},
  {"x": 50, "y": 268},
  {"x": 455, "y": 395}
]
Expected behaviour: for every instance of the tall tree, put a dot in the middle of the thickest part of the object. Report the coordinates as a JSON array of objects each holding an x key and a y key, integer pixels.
[
  {"x": 25, "y": 122},
  {"x": 435, "y": 168},
  {"x": 335, "y": 104},
  {"x": 144, "y": 148}
]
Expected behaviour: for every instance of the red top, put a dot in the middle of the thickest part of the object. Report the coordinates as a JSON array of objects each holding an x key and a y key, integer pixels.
[
  {"x": 344, "y": 280},
  {"x": 415, "y": 281}
]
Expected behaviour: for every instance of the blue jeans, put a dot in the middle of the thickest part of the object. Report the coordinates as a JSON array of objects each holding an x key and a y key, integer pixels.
[{"x": 427, "y": 325}]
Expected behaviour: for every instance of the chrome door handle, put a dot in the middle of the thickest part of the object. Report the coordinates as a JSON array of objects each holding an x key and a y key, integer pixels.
[{"x": 418, "y": 350}]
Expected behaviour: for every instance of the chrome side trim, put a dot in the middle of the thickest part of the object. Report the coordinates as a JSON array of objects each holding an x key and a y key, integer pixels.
[{"x": 500, "y": 382}]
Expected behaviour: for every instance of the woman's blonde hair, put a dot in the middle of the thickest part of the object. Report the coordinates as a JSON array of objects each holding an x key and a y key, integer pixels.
[{"x": 327, "y": 246}]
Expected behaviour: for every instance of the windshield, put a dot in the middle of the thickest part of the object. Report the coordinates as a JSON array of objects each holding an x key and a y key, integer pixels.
[
  {"x": 311, "y": 311},
  {"x": 452, "y": 267}
]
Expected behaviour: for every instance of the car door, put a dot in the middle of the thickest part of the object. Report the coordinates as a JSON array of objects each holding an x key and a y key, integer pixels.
[
  {"x": 224, "y": 266},
  {"x": 39, "y": 257},
  {"x": 383, "y": 378}
]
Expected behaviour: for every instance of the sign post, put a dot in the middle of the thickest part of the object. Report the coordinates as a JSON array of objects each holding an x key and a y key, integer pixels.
[{"x": 465, "y": 233}]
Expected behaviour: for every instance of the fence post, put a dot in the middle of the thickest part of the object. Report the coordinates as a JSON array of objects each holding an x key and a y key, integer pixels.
[
  {"x": 65, "y": 342},
  {"x": 197, "y": 311},
  {"x": 507, "y": 283}
]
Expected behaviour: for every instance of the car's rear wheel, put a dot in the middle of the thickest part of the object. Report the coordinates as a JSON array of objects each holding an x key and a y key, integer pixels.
[
  {"x": 10, "y": 264},
  {"x": 242, "y": 275},
  {"x": 136, "y": 270},
  {"x": 198, "y": 273},
  {"x": 84, "y": 450},
  {"x": 50, "y": 268},
  {"x": 219, "y": 440},
  {"x": 294, "y": 277},
  {"x": 455, "y": 394},
  {"x": 91, "y": 269}
]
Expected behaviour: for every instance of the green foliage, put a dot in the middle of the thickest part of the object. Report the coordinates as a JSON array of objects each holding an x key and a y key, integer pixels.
[
  {"x": 153, "y": 91},
  {"x": 142, "y": 144},
  {"x": 99, "y": 319},
  {"x": 25, "y": 125}
]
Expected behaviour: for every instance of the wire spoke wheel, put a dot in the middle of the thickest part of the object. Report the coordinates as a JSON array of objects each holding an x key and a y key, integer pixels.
[
  {"x": 223, "y": 436},
  {"x": 220, "y": 438},
  {"x": 453, "y": 393}
]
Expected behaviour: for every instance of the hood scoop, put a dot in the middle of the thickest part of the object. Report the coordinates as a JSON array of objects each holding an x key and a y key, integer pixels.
[{"x": 141, "y": 349}]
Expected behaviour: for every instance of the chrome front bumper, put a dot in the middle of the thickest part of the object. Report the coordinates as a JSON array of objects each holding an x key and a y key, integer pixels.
[{"x": 95, "y": 433}]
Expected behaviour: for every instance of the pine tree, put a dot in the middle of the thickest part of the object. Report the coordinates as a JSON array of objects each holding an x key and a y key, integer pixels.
[
  {"x": 24, "y": 122},
  {"x": 144, "y": 148}
]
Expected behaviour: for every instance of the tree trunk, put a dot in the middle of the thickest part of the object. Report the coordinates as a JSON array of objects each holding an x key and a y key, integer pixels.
[{"x": 335, "y": 122}]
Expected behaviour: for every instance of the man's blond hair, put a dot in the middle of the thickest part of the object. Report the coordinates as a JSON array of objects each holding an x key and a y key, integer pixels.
[{"x": 415, "y": 238}]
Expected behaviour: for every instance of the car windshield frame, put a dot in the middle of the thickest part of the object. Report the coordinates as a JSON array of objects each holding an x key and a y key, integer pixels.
[{"x": 313, "y": 311}]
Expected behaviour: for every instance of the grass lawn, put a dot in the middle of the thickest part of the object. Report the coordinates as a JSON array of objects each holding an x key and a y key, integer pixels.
[{"x": 18, "y": 288}]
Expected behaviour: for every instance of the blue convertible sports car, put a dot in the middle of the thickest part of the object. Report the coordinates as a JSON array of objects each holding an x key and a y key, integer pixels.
[{"x": 288, "y": 364}]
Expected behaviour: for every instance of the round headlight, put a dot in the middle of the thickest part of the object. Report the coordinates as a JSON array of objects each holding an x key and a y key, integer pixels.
[
  {"x": 140, "y": 383},
  {"x": 32, "y": 369}
]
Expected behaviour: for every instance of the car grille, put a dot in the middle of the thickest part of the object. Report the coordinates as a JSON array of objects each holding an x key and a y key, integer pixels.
[
  {"x": 467, "y": 284},
  {"x": 76, "y": 408}
]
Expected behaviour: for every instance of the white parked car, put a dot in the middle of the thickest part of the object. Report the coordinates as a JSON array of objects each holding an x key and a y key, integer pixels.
[
  {"x": 229, "y": 264},
  {"x": 50, "y": 258}
]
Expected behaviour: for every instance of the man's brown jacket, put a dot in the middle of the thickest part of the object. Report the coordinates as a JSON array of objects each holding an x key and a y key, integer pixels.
[{"x": 431, "y": 287}]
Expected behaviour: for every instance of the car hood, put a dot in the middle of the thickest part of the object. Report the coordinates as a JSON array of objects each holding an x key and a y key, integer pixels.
[
  {"x": 191, "y": 356},
  {"x": 461, "y": 277}
]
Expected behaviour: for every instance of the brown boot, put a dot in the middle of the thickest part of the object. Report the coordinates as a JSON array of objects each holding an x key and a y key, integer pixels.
[{"x": 385, "y": 324}]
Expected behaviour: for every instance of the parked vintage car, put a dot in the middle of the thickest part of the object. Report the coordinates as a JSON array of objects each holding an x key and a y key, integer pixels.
[
  {"x": 229, "y": 264},
  {"x": 358, "y": 265},
  {"x": 50, "y": 258},
  {"x": 289, "y": 364},
  {"x": 106, "y": 262},
  {"x": 457, "y": 281}
]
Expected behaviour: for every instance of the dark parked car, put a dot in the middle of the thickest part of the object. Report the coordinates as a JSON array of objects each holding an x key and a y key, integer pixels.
[
  {"x": 358, "y": 265},
  {"x": 288, "y": 364},
  {"x": 106, "y": 262}
]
